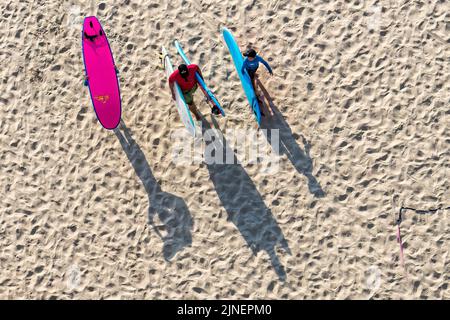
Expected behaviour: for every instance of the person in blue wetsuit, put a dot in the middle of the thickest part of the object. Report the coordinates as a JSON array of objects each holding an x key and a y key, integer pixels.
[{"x": 251, "y": 64}]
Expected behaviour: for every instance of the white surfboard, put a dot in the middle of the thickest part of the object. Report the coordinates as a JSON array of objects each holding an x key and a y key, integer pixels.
[{"x": 182, "y": 107}]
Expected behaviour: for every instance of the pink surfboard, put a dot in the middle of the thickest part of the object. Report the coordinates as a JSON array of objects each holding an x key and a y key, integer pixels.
[{"x": 101, "y": 72}]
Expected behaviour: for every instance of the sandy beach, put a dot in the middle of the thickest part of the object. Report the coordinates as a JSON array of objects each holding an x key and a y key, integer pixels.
[{"x": 360, "y": 94}]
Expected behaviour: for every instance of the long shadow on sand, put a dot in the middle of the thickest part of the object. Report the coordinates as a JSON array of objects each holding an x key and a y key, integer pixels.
[
  {"x": 243, "y": 203},
  {"x": 300, "y": 159},
  {"x": 172, "y": 210}
]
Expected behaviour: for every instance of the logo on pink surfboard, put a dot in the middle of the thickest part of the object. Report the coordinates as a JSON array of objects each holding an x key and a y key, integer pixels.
[
  {"x": 102, "y": 99},
  {"x": 101, "y": 72}
]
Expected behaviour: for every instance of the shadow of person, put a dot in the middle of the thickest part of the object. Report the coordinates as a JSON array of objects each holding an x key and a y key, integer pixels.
[
  {"x": 300, "y": 159},
  {"x": 242, "y": 201},
  {"x": 172, "y": 210}
]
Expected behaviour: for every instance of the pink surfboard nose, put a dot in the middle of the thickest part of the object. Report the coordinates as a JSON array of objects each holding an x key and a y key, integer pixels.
[{"x": 102, "y": 78}]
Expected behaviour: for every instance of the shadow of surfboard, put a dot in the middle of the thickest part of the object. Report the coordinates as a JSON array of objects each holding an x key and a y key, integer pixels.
[
  {"x": 171, "y": 210},
  {"x": 300, "y": 159},
  {"x": 244, "y": 205}
]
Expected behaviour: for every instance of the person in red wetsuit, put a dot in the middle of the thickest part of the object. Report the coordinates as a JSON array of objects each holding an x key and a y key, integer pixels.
[{"x": 185, "y": 77}]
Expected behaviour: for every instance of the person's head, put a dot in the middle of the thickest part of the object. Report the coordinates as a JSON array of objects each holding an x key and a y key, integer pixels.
[
  {"x": 250, "y": 54},
  {"x": 183, "y": 70}
]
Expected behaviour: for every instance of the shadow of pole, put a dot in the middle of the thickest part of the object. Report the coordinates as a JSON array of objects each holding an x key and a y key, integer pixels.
[
  {"x": 300, "y": 159},
  {"x": 171, "y": 210},
  {"x": 242, "y": 201}
]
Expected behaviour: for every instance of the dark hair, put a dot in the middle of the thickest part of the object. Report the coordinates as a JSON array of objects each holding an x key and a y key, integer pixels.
[
  {"x": 250, "y": 53},
  {"x": 183, "y": 70}
]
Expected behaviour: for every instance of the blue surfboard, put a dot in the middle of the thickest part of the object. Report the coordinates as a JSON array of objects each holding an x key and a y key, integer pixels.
[
  {"x": 199, "y": 79},
  {"x": 245, "y": 78}
]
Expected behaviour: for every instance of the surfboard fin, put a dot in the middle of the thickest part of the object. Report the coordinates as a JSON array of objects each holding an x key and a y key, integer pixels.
[{"x": 162, "y": 58}]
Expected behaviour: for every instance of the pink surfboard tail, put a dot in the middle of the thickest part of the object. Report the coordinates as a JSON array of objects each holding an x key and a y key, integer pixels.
[{"x": 100, "y": 69}]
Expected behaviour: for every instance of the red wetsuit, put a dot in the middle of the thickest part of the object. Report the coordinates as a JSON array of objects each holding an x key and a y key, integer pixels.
[{"x": 185, "y": 84}]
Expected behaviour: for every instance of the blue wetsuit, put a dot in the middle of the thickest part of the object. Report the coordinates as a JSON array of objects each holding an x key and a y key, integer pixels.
[{"x": 252, "y": 66}]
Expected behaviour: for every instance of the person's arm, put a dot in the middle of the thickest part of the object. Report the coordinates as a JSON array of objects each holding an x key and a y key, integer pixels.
[
  {"x": 171, "y": 86},
  {"x": 172, "y": 89},
  {"x": 264, "y": 62},
  {"x": 199, "y": 72},
  {"x": 208, "y": 98},
  {"x": 244, "y": 66}
]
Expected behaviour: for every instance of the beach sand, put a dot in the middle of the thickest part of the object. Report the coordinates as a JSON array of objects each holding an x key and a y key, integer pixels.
[{"x": 361, "y": 99}]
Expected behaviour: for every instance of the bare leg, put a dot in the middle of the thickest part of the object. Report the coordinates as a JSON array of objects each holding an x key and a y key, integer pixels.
[
  {"x": 194, "y": 110},
  {"x": 255, "y": 78},
  {"x": 254, "y": 84},
  {"x": 266, "y": 94},
  {"x": 255, "y": 87}
]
